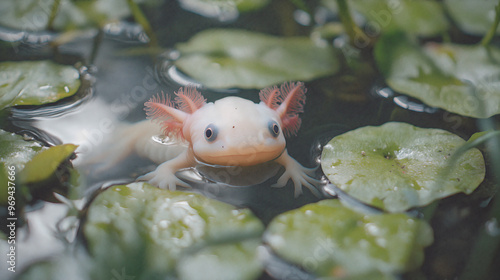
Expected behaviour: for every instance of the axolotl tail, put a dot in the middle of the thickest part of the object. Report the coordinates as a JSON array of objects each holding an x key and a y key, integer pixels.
[{"x": 142, "y": 138}]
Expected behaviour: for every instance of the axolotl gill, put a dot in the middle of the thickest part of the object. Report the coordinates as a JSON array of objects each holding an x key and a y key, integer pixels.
[{"x": 231, "y": 131}]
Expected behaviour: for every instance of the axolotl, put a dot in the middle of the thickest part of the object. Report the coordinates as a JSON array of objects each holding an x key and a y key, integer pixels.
[{"x": 231, "y": 131}]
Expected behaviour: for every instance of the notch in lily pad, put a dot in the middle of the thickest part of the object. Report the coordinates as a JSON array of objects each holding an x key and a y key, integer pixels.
[
  {"x": 36, "y": 82},
  {"x": 398, "y": 166}
]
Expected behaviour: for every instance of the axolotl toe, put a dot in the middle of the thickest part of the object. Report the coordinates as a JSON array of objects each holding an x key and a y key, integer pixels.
[{"x": 231, "y": 131}]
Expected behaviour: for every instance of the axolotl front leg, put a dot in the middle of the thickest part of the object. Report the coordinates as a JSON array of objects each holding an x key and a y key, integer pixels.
[
  {"x": 300, "y": 175},
  {"x": 164, "y": 175}
]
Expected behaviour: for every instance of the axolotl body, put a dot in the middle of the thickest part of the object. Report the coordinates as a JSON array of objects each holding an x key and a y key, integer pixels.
[{"x": 231, "y": 131}]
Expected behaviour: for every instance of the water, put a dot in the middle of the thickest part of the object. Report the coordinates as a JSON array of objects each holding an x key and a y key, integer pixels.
[{"x": 116, "y": 85}]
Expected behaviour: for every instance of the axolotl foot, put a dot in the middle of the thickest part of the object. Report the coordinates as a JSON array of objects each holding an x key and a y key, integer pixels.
[
  {"x": 300, "y": 176},
  {"x": 163, "y": 178}
]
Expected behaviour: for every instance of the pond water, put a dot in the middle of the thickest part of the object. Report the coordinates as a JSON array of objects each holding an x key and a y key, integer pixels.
[{"x": 119, "y": 79}]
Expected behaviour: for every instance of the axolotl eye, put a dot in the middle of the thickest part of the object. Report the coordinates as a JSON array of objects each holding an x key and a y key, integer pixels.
[
  {"x": 210, "y": 132},
  {"x": 274, "y": 128}
]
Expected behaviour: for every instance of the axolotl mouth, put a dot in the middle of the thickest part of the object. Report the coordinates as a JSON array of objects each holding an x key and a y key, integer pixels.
[{"x": 241, "y": 157}]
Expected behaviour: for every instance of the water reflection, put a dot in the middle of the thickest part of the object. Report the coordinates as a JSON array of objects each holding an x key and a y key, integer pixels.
[{"x": 403, "y": 101}]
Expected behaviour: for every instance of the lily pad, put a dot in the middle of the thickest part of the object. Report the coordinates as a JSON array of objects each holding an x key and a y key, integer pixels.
[
  {"x": 31, "y": 163},
  {"x": 36, "y": 82},
  {"x": 329, "y": 239},
  {"x": 219, "y": 7},
  {"x": 458, "y": 78},
  {"x": 150, "y": 231},
  {"x": 397, "y": 166},
  {"x": 44, "y": 164},
  {"x": 225, "y": 261},
  {"x": 15, "y": 151},
  {"x": 224, "y": 58},
  {"x": 33, "y": 15},
  {"x": 472, "y": 16},
  {"x": 424, "y": 18}
]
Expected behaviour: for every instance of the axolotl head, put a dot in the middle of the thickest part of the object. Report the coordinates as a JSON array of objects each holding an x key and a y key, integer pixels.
[{"x": 232, "y": 131}]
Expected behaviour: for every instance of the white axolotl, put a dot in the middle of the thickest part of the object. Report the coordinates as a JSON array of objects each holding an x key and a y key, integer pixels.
[{"x": 231, "y": 131}]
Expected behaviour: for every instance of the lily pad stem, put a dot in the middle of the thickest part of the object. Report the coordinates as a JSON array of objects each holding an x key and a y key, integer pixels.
[
  {"x": 53, "y": 14},
  {"x": 141, "y": 19},
  {"x": 352, "y": 30},
  {"x": 95, "y": 45},
  {"x": 488, "y": 241},
  {"x": 486, "y": 246},
  {"x": 491, "y": 33}
]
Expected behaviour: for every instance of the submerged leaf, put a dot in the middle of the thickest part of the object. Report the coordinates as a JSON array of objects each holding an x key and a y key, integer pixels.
[
  {"x": 327, "y": 238},
  {"x": 151, "y": 231},
  {"x": 396, "y": 166},
  {"x": 418, "y": 17},
  {"x": 224, "y": 58},
  {"x": 36, "y": 82},
  {"x": 458, "y": 78}
]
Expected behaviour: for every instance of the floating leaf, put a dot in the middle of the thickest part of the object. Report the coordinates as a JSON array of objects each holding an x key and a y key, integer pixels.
[
  {"x": 62, "y": 267},
  {"x": 44, "y": 164},
  {"x": 33, "y": 15},
  {"x": 31, "y": 163},
  {"x": 36, "y": 82},
  {"x": 418, "y": 17},
  {"x": 396, "y": 166},
  {"x": 224, "y": 58},
  {"x": 223, "y": 9},
  {"x": 458, "y": 78},
  {"x": 150, "y": 231},
  {"x": 15, "y": 152},
  {"x": 329, "y": 239},
  {"x": 472, "y": 16},
  {"x": 225, "y": 261}
]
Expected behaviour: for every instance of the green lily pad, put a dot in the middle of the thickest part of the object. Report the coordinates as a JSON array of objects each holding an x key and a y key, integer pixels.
[
  {"x": 225, "y": 261},
  {"x": 31, "y": 163},
  {"x": 424, "y": 18},
  {"x": 472, "y": 16},
  {"x": 329, "y": 239},
  {"x": 15, "y": 151},
  {"x": 33, "y": 15},
  {"x": 224, "y": 58},
  {"x": 150, "y": 231},
  {"x": 36, "y": 82},
  {"x": 396, "y": 166},
  {"x": 461, "y": 79},
  {"x": 61, "y": 267},
  {"x": 44, "y": 164},
  {"x": 219, "y": 6}
]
